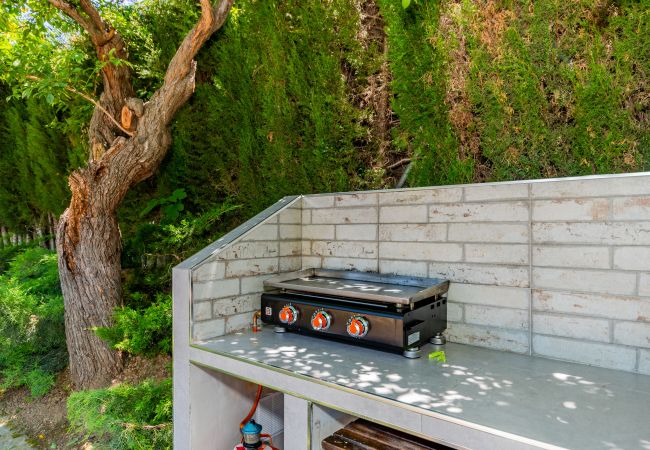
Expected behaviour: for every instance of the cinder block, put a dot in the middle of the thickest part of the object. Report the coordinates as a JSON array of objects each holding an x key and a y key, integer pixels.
[
  {"x": 291, "y": 216},
  {"x": 248, "y": 267},
  {"x": 306, "y": 216},
  {"x": 595, "y": 354},
  {"x": 599, "y": 281},
  {"x": 595, "y": 187},
  {"x": 209, "y": 270},
  {"x": 360, "y": 264},
  {"x": 620, "y": 233},
  {"x": 347, "y": 249},
  {"x": 644, "y": 361},
  {"x": 570, "y": 210},
  {"x": 289, "y": 232},
  {"x": 236, "y": 305},
  {"x": 250, "y": 285},
  {"x": 497, "y": 253},
  {"x": 317, "y": 201},
  {"x": 340, "y": 216},
  {"x": 494, "y": 338},
  {"x": 632, "y": 258},
  {"x": 571, "y": 256},
  {"x": 290, "y": 263},
  {"x": 454, "y": 312},
  {"x": 421, "y": 251},
  {"x": 488, "y": 232},
  {"x": 201, "y": 310},
  {"x": 309, "y": 262},
  {"x": 501, "y": 191},
  {"x": 209, "y": 329},
  {"x": 356, "y": 232},
  {"x": 306, "y": 248},
  {"x": 514, "y": 211},
  {"x": 478, "y": 294},
  {"x": 403, "y": 214},
  {"x": 515, "y": 319},
  {"x": 264, "y": 232},
  {"x": 481, "y": 274},
  {"x": 636, "y": 334},
  {"x": 290, "y": 248},
  {"x": 250, "y": 249},
  {"x": 421, "y": 196},
  {"x": 598, "y": 305},
  {"x": 644, "y": 284},
  {"x": 409, "y": 268},
  {"x": 356, "y": 199},
  {"x": 571, "y": 326},
  {"x": 239, "y": 322},
  {"x": 427, "y": 232},
  {"x": 318, "y": 232},
  {"x": 634, "y": 208},
  {"x": 215, "y": 289}
]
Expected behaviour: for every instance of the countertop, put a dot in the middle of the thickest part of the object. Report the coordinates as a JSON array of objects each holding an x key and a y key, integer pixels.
[{"x": 559, "y": 403}]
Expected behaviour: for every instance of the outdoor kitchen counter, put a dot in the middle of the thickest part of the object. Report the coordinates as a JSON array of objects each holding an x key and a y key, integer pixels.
[{"x": 524, "y": 401}]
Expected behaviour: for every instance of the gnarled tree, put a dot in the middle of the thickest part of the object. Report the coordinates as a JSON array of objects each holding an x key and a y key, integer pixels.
[{"x": 128, "y": 139}]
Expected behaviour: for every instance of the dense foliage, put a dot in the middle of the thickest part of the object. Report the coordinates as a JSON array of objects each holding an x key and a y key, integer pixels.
[
  {"x": 124, "y": 416},
  {"x": 32, "y": 335}
]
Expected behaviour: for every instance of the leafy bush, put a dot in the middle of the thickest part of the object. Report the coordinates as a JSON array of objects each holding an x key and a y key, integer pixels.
[
  {"x": 124, "y": 416},
  {"x": 147, "y": 331},
  {"x": 32, "y": 333}
]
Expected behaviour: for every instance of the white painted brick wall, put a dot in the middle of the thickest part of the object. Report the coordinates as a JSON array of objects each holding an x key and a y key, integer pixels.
[
  {"x": 499, "y": 192},
  {"x": 411, "y": 268},
  {"x": 636, "y": 208},
  {"x": 356, "y": 232},
  {"x": 479, "y": 212},
  {"x": 495, "y": 338},
  {"x": 573, "y": 327},
  {"x": 403, "y": 214},
  {"x": 644, "y": 361},
  {"x": 486, "y": 232},
  {"x": 497, "y": 253},
  {"x": 516, "y": 319},
  {"x": 346, "y": 249},
  {"x": 586, "y": 257},
  {"x": 597, "y": 354},
  {"x": 632, "y": 258},
  {"x": 644, "y": 284},
  {"x": 344, "y": 215},
  {"x": 601, "y": 233},
  {"x": 355, "y": 200},
  {"x": 600, "y": 281},
  {"x": 481, "y": 274},
  {"x": 596, "y": 187},
  {"x": 421, "y": 251},
  {"x": 421, "y": 196},
  {"x": 507, "y": 297},
  {"x": 215, "y": 289},
  {"x": 570, "y": 210},
  {"x": 431, "y": 232},
  {"x": 595, "y": 305},
  {"x": 636, "y": 334}
]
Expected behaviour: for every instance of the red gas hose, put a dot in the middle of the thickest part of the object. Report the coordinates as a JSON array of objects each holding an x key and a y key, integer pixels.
[{"x": 252, "y": 411}]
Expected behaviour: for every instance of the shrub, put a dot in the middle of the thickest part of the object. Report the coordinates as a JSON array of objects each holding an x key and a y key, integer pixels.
[
  {"x": 32, "y": 333},
  {"x": 146, "y": 331},
  {"x": 124, "y": 416}
]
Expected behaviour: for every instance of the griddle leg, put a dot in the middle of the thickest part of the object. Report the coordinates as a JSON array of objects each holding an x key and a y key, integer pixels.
[
  {"x": 279, "y": 329},
  {"x": 412, "y": 353},
  {"x": 438, "y": 339}
]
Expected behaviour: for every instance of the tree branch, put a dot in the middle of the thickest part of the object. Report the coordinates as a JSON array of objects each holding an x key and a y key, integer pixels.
[{"x": 91, "y": 100}]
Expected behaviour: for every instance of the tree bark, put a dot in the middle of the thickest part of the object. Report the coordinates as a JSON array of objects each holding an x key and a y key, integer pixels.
[{"x": 88, "y": 237}]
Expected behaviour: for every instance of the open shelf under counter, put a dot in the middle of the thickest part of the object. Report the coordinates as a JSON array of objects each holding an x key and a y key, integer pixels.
[{"x": 478, "y": 398}]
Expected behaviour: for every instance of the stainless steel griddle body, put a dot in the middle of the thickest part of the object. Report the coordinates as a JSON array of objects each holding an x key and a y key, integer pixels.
[{"x": 397, "y": 313}]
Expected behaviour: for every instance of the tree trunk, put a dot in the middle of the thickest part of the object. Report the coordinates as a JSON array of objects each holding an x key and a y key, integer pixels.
[
  {"x": 87, "y": 236},
  {"x": 91, "y": 290}
]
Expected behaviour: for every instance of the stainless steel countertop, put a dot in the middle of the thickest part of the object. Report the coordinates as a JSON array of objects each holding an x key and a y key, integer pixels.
[{"x": 559, "y": 403}]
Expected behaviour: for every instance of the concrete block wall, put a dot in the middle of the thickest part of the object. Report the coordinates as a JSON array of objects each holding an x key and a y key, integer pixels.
[
  {"x": 555, "y": 268},
  {"x": 226, "y": 287}
]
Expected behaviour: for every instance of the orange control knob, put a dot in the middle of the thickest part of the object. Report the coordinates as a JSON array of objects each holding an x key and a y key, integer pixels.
[
  {"x": 321, "y": 320},
  {"x": 357, "y": 326},
  {"x": 288, "y": 314}
]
